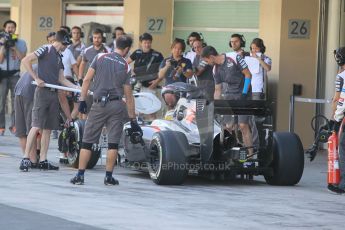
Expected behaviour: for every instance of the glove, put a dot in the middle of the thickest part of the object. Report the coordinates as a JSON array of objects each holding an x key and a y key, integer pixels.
[
  {"x": 135, "y": 127},
  {"x": 68, "y": 123},
  {"x": 334, "y": 125},
  {"x": 80, "y": 82},
  {"x": 82, "y": 107}
]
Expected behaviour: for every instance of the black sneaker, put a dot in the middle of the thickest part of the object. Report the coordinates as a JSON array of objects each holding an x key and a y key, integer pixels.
[
  {"x": 33, "y": 165},
  {"x": 335, "y": 189},
  {"x": 78, "y": 180},
  {"x": 25, "y": 164},
  {"x": 110, "y": 181},
  {"x": 45, "y": 165}
]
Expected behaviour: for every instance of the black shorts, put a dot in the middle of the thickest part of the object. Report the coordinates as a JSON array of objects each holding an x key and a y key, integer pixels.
[
  {"x": 113, "y": 116},
  {"x": 45, "y": 111}
]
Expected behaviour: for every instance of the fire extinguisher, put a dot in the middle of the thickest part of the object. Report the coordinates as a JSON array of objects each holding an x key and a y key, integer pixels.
[{"x": 333, "y": 160}]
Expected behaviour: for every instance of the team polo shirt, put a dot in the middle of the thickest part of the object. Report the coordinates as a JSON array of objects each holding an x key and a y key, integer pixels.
[
  {"x": 340, "y": 88},
  {"x": 24, "y": 87},
  {"x": 169, "y": 77},
  {"x": 230, "y": 74},
  {"x": 111, "y": 73},
  {"x": 90, "y": 53},
  {"x": 339, "y": 82},
  {"x": 49, "y": 64},
  {"x": 76, "y": 49},
  {"x": 146, "y": 63}
]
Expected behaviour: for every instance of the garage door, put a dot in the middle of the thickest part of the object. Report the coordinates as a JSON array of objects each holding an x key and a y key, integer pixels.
[
  {"x": 217, "y": 20},
  {"x": 104, "y": 12}
]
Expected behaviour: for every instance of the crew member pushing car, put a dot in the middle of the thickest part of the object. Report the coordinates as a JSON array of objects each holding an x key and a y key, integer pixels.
[
  {"x": 232, "y": 82},
  {"x": 110, "y": 74}
]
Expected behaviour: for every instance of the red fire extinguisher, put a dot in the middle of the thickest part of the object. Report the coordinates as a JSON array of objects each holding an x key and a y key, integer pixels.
[{"x": 333, "y": 160}]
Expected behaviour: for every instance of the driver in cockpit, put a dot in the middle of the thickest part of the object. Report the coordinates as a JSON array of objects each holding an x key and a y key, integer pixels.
[{"x": 170, "y": 97}]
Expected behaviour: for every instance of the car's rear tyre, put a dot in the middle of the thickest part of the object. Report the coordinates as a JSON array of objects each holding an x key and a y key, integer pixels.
[
  {"x": 167, "y": 163},
  {"x": 76, "y": 137},
  {"x": 288, "y": 159}
]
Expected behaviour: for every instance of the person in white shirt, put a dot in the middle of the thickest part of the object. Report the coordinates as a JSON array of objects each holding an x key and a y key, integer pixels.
[
  {"x": 257, "y": 50},
  {"x": 70, "y": 64}
]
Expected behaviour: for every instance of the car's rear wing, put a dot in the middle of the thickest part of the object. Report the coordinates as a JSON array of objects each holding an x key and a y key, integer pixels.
[{"x": 243, "y": 107}]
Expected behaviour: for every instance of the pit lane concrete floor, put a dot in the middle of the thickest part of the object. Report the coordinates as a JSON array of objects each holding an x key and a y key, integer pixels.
[{"x": 46, "y": 200}]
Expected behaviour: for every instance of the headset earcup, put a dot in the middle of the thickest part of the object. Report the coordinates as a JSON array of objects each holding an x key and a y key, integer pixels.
[{"x": 230, "y": 44}]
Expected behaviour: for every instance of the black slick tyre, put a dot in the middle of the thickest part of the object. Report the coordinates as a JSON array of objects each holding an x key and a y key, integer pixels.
[
  {"x": 167, "y": 163},
  {"x": 76, "y": 137},
  {"x": 288, "y": 159}
]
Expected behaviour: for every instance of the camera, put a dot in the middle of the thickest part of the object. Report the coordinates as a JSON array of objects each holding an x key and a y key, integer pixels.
[
  {"x": 173, "y": 63},
  {"x": 10, "y": 39}
]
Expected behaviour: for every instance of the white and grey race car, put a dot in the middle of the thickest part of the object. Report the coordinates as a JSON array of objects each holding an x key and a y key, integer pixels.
[{"x": 192, "y": 139}]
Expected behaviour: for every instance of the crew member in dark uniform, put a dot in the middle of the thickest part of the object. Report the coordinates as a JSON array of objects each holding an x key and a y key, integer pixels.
[
  {"x": 232, "y": 82},
  {"x": 146, "y": 62},
  {"x": 87, "y": 55},
  {"x": 146, "y": 65},
  {"x": 203, "y": 71},
  {"x": 175, "y": 68},
  {"x": 110, "y": 74},
  {"x": 46, "y": 103}
]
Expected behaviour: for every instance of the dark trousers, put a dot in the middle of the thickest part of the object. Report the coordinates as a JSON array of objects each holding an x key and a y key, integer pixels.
[
  {"x": 342, "y": 159},
  {"x": 7, "y": 84}
]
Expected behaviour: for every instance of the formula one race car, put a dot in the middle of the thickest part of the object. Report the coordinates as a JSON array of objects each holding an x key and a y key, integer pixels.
[{"x": 193, "y": 140}]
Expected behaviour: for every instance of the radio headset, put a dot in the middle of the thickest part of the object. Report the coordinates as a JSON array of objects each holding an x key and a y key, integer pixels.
[
  {"x": 241, "y": 37},
  {"x": 78, "y": 28},
  {"x": 117, "y": 28},
  {"x": 199, "y": 36}
]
